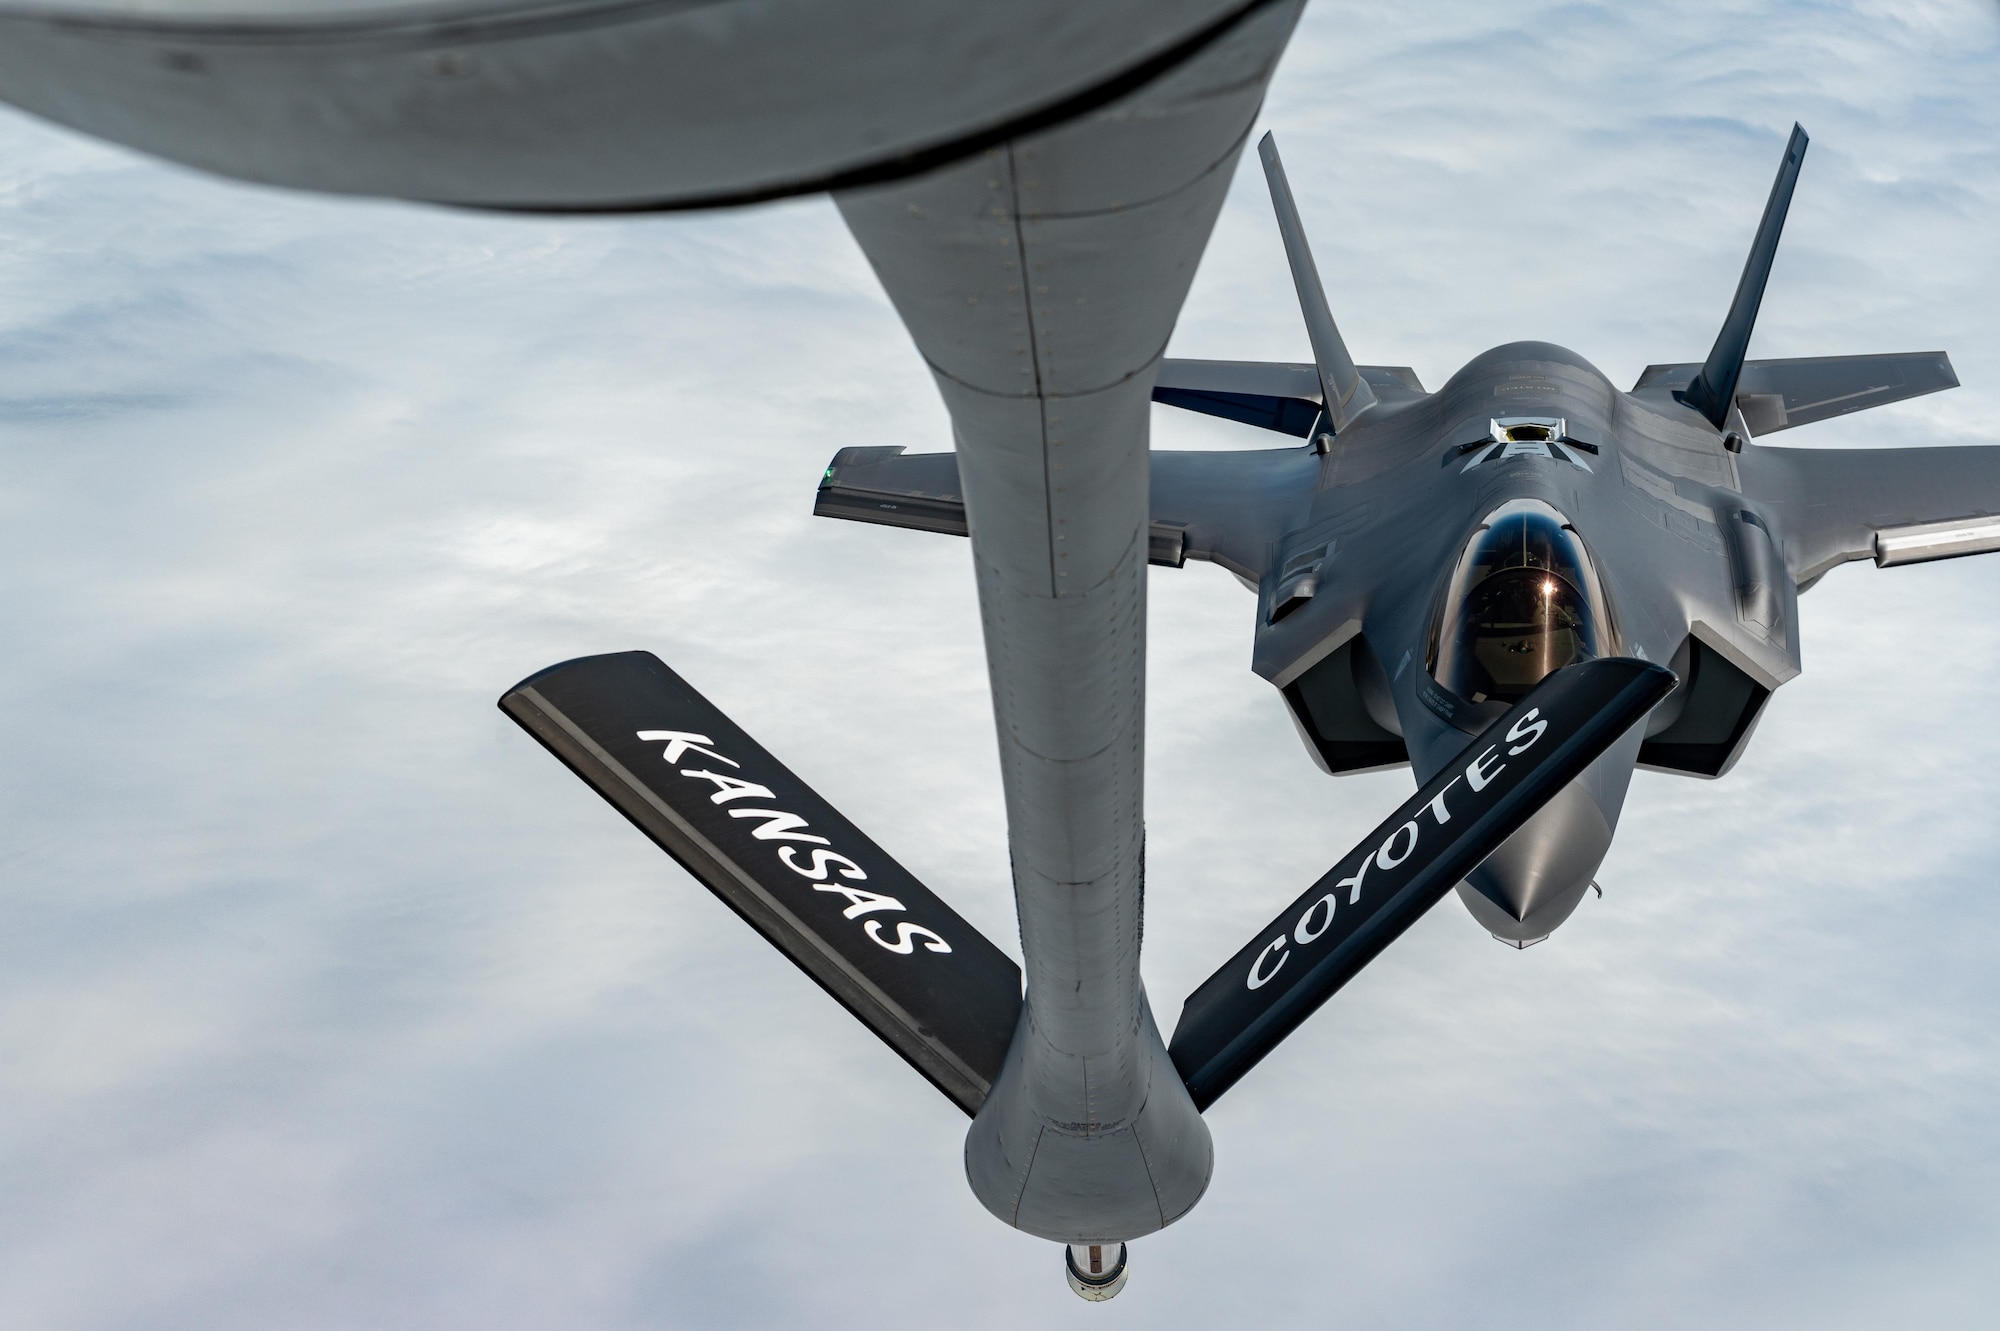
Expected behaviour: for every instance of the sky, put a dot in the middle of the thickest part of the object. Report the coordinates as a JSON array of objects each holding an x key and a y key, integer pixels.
[{"x": 329, "y": 1001}]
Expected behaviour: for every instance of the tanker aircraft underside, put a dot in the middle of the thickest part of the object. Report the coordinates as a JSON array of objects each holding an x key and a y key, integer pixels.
[{"x": 1522, "y": 585}]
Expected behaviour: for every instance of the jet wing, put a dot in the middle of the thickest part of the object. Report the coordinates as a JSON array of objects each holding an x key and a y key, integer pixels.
[
  {"x": 1894, "y": 505},
  {"x": 1779, "y": 394},
  {"x": 1274, "y": 395},
  {"x": 1226, "y": 507}
]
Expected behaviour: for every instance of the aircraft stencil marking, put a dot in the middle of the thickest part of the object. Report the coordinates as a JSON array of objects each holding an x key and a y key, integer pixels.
[{"x": 778, "y": 825}]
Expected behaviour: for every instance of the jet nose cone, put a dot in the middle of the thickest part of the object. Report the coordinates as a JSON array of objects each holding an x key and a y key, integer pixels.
[{"x": 1532, "y": 883}]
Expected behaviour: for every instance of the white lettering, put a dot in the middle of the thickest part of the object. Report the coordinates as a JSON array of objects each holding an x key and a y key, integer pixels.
[
  {"x": 1258, "y": 977},
  {"x": 1355, "y": 882},
  {"x": 1438, "y": 811},
  {"x": 728, "y": 788},
  {"x": 860, "y": 902},
  {"x": 1302, "y": 934},
  {"x": 1382, "y": 856},
  {"x": 1523, "y": 727},
  {"x": 680, "y": 741},
  {"x": 779, "y": 826},
  {"x": 905, "y": 932},
  {"x": 1476, "y": 774},
  {"x": 822, "y": 858}
]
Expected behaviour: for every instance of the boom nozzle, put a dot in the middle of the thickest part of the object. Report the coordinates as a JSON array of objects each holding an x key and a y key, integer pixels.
[{"x": 1096, "y": 1271}]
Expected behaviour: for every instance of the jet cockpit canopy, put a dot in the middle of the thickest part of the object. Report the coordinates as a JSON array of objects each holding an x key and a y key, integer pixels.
[{"x": 1523, "y": 602}]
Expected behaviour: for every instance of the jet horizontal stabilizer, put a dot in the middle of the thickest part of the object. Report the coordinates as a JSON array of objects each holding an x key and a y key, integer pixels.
[
  {"x": 920, "y": 491},
  {"x": 1406, "y": 865},
  {"x": 1779, "y": 394},
  {"x": 1343, "y": 390},
  {"x": 1273, "y": 395},
  {"x": 929, "y": 984}
]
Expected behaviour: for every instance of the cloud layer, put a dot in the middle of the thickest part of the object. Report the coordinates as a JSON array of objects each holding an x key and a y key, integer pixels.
[{"x": 328, "y": 1000}]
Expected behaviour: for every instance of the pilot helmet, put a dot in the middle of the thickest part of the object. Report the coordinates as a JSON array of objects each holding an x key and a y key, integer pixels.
[{"x": 1524, "y": 601}]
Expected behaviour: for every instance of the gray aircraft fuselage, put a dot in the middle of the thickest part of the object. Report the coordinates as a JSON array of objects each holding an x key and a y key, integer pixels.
[
  {"x": 1697, "y": 550},
  {"x": 1394, "y": 501}
]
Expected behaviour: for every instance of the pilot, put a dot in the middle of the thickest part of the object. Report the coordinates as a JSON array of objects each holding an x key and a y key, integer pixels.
[{"x": 1523, "y": 602}]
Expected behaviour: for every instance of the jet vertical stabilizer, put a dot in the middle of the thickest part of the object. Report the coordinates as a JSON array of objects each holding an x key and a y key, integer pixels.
[
  {"x": 1347, "y": 393},
  {"x": 1713, "y": 391}
]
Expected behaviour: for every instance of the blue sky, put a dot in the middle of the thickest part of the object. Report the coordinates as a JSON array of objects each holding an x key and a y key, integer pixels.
[{"x": 328, "y": 1000}]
